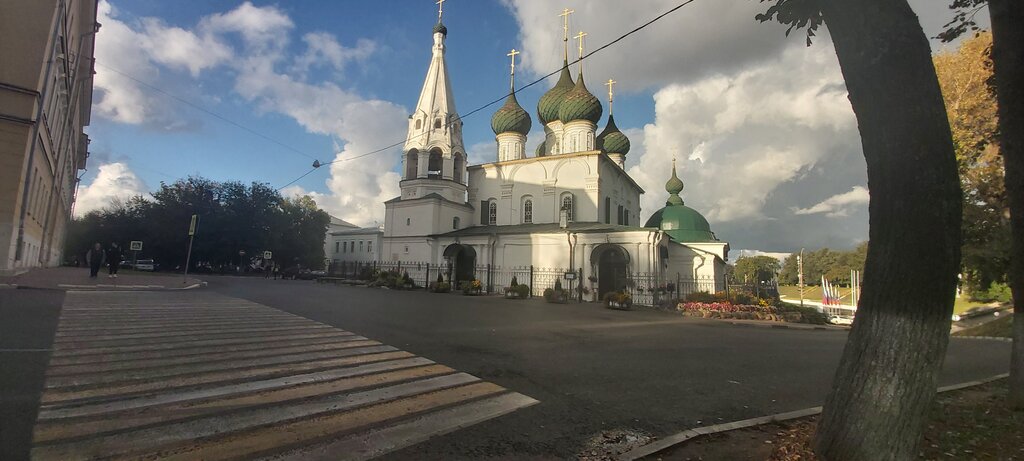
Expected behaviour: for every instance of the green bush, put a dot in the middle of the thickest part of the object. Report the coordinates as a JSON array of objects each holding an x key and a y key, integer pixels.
[
  {"x": 549, "y": 295},
  {"x": 996, "y": 292},
  {"x": 523, "y": 291},
  {"x": 701, "y": 297}
]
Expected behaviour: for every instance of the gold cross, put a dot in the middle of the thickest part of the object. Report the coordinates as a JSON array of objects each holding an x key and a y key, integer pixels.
[
  {"x": 512, "y": 54},
  {"x": 580, "y": 37},
  {"x": 440, "y": 4},
  {"x": 565, "y": 23},
  {"x": 611, "y": 94}
]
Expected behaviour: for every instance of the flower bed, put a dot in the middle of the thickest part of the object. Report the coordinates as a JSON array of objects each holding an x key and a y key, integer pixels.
[{"x": 727, "y": 310}]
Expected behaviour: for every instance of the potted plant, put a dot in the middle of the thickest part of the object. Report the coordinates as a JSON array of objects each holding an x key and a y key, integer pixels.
[
  {"x": 618, "y": 300},
  {"x": 472, "y": 288},
  {"x": 511, "y": 291}
]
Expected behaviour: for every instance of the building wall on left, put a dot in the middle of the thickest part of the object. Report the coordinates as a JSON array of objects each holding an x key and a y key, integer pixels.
[{"x": 46, "y": 85}]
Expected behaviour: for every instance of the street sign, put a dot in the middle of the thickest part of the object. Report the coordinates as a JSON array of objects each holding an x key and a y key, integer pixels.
[
  {"x": 569, "y": 275},
  {"x": 136, "y": 245},
  {"x": 192, "y": 225},
  {"x": 268, "y": 255}
]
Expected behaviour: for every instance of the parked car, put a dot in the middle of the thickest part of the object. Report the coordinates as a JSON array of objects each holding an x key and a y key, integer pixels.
[
  {"x": 146, "y": 265},
  {"x": 840, "y": 320}
]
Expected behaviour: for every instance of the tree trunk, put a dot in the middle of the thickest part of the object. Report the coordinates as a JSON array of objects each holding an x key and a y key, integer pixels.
[
  {"x": 888, "y": 374},
  {"x": 1008, "y": 66}
]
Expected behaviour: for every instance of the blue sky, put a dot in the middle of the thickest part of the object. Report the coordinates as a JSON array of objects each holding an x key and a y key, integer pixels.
[{"x": 766, "y": 140}]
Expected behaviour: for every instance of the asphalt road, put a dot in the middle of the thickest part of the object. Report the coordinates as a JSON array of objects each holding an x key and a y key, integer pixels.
[{"x": 592, "y": 369}]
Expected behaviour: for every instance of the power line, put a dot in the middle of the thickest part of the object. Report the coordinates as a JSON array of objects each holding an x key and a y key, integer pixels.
[{"x": 206, "y": 111}]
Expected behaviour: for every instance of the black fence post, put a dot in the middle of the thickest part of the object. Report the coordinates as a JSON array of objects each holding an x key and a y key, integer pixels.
[
  {"x": 531, "y": 281},
  {"x": 579, "y": 288},
  {"x": 426, "y": 279}
]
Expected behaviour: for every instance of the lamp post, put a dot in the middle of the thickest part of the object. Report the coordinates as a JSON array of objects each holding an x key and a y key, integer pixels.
[
  {"x": 241, "y": 254},
  {"x": 800, "y": 274}
]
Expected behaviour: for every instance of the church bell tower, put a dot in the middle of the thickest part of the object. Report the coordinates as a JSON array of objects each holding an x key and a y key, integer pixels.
[{"x": 434, "y": 157}]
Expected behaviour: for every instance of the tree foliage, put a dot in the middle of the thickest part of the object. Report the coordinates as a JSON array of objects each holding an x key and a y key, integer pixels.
[
  {"x": 755, "y": 269},
  {"x": 833, "y": 265},
  {"x": 966, "y": 79},
  {"x": 232, "y": 217}
]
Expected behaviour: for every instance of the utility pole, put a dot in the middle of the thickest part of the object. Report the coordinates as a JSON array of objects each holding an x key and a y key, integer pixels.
[
  {"x": 191, "y": 235},
  {"x": 800, "y": 274}
]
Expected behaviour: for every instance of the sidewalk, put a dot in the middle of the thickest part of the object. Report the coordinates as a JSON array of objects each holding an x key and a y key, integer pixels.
[{"x": 77, "y": 278}]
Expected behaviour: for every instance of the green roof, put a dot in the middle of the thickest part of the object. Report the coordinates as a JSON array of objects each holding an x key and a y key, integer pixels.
[
  {"x": 511, "y": 117},
  {"x": 547, "y": 107},
  {"x": 682, "y": 223},
  {"x": 580, "y": 104},
  {"x": 611, "y": 140},
  {"x": 440, "y": 28}
]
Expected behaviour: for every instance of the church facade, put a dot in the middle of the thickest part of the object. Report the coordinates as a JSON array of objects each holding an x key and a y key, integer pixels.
[{"x": 570, "y": 205}]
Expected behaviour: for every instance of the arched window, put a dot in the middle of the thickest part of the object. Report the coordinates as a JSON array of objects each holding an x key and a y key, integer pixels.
[
  {"x": 455, "y": 222},
  {"x": 459, "y": 169},
  {"x": 569, "y": 205},
  {"x": 607, "y": 210},
  {"x": 408, "y": 221},
  {"x": 411, "y": 164},
  {"x": 619, "y": 216},
  {"x": 625, "y": 217},
  {"x": 434, "y": 164},
  {"x": 528, "y": 211},
  {"x": 419, "y": 124},
  {"x": 492, "y": 212},
  {"x": 437, "y": 123}
]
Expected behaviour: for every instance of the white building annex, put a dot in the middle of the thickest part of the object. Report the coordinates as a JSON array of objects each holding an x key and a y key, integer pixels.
[{"x": 570, "y": 205}]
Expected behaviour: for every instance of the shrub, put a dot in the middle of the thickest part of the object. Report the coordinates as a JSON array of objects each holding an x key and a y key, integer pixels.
[
  {"x": 549, "y": 295},
  {"x": 701, "y": 297},
  {"x": 998, "y": 292},
  {"x": 523, "y": 291},
  {"x": 440, "y": 278},
  {"x": 406, "y": 280}
]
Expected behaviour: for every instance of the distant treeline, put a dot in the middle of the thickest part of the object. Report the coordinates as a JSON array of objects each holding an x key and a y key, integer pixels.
[
  {"x": 834, "y": 265},
  {"x": 232, "y": 217}
]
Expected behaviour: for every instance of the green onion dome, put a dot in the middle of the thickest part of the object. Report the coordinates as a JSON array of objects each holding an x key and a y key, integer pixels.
[
  {"x": 580, "y": 104},
  {"x": 541, "y": 149},
  {"x": 611, "y": 140},
  {"x": 511, "y": 117},
  {"x": 680, "y": 222},
  {"x": 440, "y": 28},
  {"x": 547, "y": 107}
]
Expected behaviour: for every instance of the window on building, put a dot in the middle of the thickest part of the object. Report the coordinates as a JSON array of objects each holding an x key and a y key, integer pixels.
[
  {"x": 455, "y": 222},
  {"x": 408, "y": 221},
  {"x": 607, "y": 210},
  {"x": 369, "y": 247},
  {"x": 407, "y": 248},
  {"x": 360, "y": 246},
  {"x": 458, "y": 173},
  {"x": 435, "y": 164},
  {"x": 619, "y": 216},
  {"x": 625, "y": 217},
  {"x": 568, "y": 204},
  {"x": 411, "y": 164},
  {"x": 528, "y": 211},
  {"x": 344, "y": 247},
  {"x": 419, "y": 124},
  {"x": 492, "y": 212},
  {"x": 337, "y": 246},
  {"x": 437, "y": 123}
]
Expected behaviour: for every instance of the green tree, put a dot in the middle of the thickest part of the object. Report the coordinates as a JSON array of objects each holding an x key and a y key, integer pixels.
[
  {"x": 1008, "y": 74},
  {"x": 887, "y": 376},
  {"x": 756, "y": 269}
]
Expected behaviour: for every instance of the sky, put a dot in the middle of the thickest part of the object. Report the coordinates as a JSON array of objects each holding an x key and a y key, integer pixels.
[{"x": 765, "y": 139}]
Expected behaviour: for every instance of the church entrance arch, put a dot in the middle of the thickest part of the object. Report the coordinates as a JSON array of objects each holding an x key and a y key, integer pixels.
[
  {"x": 461, "y": 263},
  {"x": 612, "y": 264}
]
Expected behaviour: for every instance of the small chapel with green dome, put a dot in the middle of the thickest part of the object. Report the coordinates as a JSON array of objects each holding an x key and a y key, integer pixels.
[{"x": 570, "y": 204}]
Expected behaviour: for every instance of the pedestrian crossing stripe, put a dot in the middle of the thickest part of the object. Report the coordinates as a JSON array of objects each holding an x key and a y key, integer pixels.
[{"x": 172, "y": 376}]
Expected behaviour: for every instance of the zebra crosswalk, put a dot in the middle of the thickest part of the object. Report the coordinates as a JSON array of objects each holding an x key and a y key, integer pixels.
[{"x": 195, "y": 375}]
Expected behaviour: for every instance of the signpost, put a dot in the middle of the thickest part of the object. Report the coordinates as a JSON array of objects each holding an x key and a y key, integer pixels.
[
  {"x": 268, "y": 255},
  {"x": 136, "y": 247},
  {"x": 191, "y": 236}
]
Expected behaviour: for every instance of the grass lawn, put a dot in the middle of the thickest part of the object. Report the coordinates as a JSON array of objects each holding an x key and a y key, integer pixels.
[
  {"x": 813, "y": 293},
  {"x": 1000, "y": 328}
]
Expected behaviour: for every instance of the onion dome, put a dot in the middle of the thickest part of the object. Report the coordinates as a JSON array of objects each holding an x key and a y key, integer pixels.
[
  {"x": 611, "y": 140},
  {"x": 547, "y": 107},
  {"x": 680, "y": 222},
  {"x": 541, "y": 149},
  {"x": 580, "y": 104},
  {"x": 440, "y": 28},
  {"x": 511, "y": 117}
]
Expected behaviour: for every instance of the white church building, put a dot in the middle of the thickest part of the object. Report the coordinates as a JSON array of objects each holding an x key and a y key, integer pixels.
[{"x": 570, "y": 206}]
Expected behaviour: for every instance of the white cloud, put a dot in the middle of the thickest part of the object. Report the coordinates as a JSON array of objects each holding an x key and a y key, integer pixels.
[
  {"x": 114, "y": 182},
  {"x": 838, "y": 205},
  {"x": 323, "y": 49}
]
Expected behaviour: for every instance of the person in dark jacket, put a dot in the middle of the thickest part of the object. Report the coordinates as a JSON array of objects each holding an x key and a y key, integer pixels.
[
  {"x": 95, "y": 258},
  {"x": 113, "y": 260}
]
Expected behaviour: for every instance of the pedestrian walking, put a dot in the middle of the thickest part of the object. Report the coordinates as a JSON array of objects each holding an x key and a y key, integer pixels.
[
  {"x": 95, "y": 258},
  {"x": 113, "y": 260}
]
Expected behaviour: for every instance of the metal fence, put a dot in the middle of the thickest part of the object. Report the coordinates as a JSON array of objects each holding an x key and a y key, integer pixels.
[{"x": 645, "y": 288}]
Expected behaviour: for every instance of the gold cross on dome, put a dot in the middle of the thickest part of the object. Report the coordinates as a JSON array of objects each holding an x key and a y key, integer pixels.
[
  {"x": 440, "y": 5},
  {"x": 579, "y": 37},
  {"x": 565, "y": 23},
  {"x": 611, "y": 95},
  {"x": 512, "y": 54}
]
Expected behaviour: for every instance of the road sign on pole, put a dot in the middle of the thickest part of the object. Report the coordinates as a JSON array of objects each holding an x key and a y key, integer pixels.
[
  {"x": 136, "y": 245},
  {"x": 192, "y": 226},
  {"x": 268, "y": 255}
]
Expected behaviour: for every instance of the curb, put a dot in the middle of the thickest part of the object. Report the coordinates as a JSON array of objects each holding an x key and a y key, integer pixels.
[
  {"x": 780, "y": 326},
  {"x": 117, "y": 288},
  {"x": 8, "y": 286},
  {"x": 676, "y": 439},
  {"x": 990, "y": 338}
]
